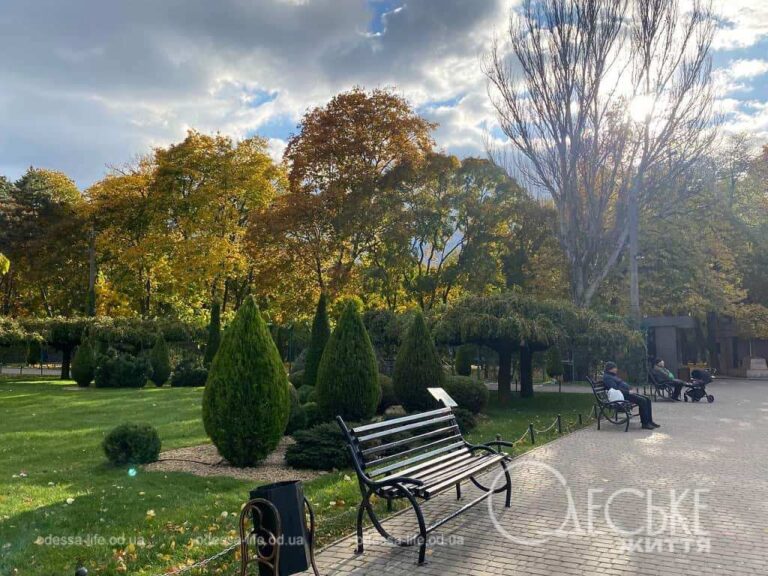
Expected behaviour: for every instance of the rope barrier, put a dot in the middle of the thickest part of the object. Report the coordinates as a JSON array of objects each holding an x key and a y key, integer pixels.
[{"x": 201, "y": 563}]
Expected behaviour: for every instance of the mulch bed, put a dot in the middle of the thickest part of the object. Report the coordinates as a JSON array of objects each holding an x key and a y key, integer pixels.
[{"x": 204, "y": 460}]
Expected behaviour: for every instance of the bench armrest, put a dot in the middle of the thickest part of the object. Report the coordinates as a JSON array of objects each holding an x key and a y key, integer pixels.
[{"x": 488, "y": 446}]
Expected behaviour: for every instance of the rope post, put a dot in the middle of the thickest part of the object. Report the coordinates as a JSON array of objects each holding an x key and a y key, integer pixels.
[
  {"x": 530, "y": 431},
  {"x": 581, "y": 423},
  {"x": 559, "y": 424}
]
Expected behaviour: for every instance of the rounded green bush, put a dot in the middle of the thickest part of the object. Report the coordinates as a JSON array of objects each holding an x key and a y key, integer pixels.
[
  {"x": 348, "y": 379},
  {"x": 246, "y": 403},
  {"x": 465, "y": 419},
  {"x": 465, "y": 354},
  {"x": 388, "y": 397},
  {"x": 122, "y": 371},
  {"x": 417, "y": 368},
  {"x": 131, "y": 444},
  {"x": 469, "y": 393},
  {"x": 161, "y": 361},
  {"x": 321, "y": 447},
  {"x": 321, "y": 333},
  {"x": 84, "y": 365},
  {"x": 187, "y": 375}
]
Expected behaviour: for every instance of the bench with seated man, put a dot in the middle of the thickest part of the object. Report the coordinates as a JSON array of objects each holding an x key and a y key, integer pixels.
[{"x": 612, "y": 380}]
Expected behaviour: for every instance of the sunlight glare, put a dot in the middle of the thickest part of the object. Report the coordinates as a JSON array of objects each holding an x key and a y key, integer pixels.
[{"x": 641, "y": 107}]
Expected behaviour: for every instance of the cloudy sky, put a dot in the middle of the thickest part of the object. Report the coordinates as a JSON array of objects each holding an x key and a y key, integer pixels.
[{"x": 90, "y": 83}]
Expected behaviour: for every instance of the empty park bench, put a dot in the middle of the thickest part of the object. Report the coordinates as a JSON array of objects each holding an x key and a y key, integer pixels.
[
  {"x": 417, "y": 457},
  {"x": 617, "y": 412}
]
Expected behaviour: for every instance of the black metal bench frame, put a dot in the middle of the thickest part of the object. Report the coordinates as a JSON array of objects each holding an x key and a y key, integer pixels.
[
  {"x": 424, "y": 455},
  {"x": 660, "y": 389},
  {"x": 618, "y": 412}
]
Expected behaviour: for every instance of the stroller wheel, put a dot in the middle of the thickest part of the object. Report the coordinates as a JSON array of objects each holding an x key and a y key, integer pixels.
[{"x": 710, "y": 398}]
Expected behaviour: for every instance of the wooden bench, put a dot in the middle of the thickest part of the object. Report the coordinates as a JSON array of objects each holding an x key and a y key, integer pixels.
[
  {"x": 618, "y": 412},
  {"x": 417, "y": 457}
]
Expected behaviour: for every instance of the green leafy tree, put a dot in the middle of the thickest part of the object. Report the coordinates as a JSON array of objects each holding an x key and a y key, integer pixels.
[
  {"x": 347, "y": 379},
  {"x": 214, "y": 334},
  {"x": 321, "y": 332},
  {"x": 246, "y": 403},
  {"x": 84, "y": 364},
  {"x": 417, "y": 368},
  {"x": 161, "y": 361}
]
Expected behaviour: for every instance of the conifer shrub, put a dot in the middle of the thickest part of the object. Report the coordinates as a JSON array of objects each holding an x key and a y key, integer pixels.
[
  {"x": 161, "y": 361},
  {"x": 246, "y": 403},
  {"x": 554, "y": 362},
  {"x": 348, "y": 378},
  {"x": 121, "y": 370},
  {"x": 321, "y": 332},
  {"x": 465, "y": 354},
  {"x": 321, "y": 447},
  {"x": 84, "y": 364},
  {"x": 417, "y": 368}
]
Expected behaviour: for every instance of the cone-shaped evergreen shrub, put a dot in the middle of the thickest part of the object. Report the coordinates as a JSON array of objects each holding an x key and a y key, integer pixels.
[
  {"x": 417, "y": 368},
  {"x": 554, "y": 362},
  {"x": 464, "y": 356},
  {"x": 321, "y": 332},
  {"x": 348, "y": 379},
  {"x": 214, "y": 334},
  {"x": 84, "y": 364},
  {"x": 161, "y": 361},
  {"x": 246, "y": 403}
]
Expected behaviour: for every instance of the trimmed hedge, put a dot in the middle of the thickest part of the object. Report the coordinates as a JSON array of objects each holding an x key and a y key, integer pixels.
[
  {"x": 321, "y": 447},
  {"x": 131, "y": 444},
  {"x": 246, "y": 404},
  {"x": 348, "y": 379},
  {"x": 469, "y": 393},
  {"x": 307, "y": 394},
  {"x": 417, "y": 368}
]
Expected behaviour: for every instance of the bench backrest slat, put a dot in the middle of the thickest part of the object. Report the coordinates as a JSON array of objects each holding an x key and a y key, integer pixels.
[
  {"x": 598, "y": 388},
  {"x": 391, "y": 446}
]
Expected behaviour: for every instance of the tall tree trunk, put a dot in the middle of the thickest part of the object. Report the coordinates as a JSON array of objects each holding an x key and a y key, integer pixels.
[
  {"x": 66, "y": 360},
  {"x": 526, "y": 372},
  {"x": 505, "y": 374}
]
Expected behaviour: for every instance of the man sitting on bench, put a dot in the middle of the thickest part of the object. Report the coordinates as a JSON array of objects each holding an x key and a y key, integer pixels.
[
  {"x": 664, "y": 376},
  {"x": 611, "y": 380}
]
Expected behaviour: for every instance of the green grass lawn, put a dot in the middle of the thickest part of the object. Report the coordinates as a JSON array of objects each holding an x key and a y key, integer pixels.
[{"x": 55, "y": 482}]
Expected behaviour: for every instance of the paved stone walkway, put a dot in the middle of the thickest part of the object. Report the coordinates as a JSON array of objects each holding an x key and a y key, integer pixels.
[{"x": 720, "y": 449}]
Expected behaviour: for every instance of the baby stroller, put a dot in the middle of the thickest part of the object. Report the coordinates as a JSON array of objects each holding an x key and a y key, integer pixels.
[{"x": 696, "y": 389}]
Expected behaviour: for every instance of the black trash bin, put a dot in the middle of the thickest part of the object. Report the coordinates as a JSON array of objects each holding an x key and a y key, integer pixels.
[{"x": 295, "y": 552}]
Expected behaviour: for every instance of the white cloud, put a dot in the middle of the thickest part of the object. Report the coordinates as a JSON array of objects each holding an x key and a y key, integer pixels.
[{"x": 744, "y": 23}]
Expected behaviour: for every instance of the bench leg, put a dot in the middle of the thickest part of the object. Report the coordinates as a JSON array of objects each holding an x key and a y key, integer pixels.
[
  {"x": 458, "y": 491},
  {"x": 389, "y": 504},
  {"x": 360, "y": 510},
  {"x": 629, "y": 419},
  {"x": 508, "y": 497},
  {"x": 599, "y": 413}
]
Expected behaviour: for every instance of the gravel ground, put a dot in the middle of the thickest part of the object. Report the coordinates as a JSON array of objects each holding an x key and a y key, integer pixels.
[{"x": 206, "y": 459}]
